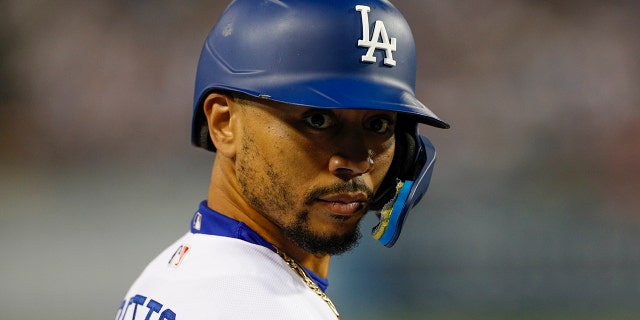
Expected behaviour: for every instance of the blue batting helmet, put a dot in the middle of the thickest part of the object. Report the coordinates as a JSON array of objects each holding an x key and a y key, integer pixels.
[{"x": 351, "y": 54}]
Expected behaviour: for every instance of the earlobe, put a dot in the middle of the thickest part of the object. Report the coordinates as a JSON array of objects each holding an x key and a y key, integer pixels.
[{"x": 218, "y": 110}]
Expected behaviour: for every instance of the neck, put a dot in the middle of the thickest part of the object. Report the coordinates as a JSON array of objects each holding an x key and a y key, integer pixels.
[
  {"x": 319, "y": 264},
  {"x": 224, "y": 198}
]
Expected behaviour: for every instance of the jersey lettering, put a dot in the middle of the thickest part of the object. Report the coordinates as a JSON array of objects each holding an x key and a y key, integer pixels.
[
  {"x": 371, "y": 41},
  {"x": 153, "y": 309}
]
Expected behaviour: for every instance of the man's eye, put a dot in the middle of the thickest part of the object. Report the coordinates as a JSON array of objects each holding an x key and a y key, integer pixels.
[
  {"x": 319, "y": 120},
  {"x": 380, "y": 125}
]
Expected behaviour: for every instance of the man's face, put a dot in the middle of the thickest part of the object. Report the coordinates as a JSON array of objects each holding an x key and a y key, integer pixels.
[{"x": 312, "y": 172}]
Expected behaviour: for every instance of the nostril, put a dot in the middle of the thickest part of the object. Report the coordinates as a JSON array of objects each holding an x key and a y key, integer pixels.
[{"x": 344, "y": 174}]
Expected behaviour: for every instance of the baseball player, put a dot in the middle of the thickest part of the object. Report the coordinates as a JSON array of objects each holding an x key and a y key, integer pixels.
[{"x": 309, "y": 106}]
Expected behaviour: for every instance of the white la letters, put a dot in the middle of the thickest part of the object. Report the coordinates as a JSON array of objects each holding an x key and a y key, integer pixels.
[{"x": 371, "y": 41}]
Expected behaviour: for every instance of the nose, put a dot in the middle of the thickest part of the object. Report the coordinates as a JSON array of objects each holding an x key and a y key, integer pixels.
[
  {"x": 347, "y": 168},
  {"x": 352, "y": 154}
]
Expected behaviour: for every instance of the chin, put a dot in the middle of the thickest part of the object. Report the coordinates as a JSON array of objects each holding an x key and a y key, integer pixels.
[{"x": 323, "y": 244}]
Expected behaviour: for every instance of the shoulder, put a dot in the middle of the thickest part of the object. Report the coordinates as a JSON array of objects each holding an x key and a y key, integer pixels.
[
  {"x": 209, "y": 258},
  {"x": 229, "y": 278},
  {"x": 211, "y": 255}
]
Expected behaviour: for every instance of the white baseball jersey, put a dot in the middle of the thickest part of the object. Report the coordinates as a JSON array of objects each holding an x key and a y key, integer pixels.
[{"x": 221, "y": 270}]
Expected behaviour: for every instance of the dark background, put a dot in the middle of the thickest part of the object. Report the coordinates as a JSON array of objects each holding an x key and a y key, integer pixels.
[{"x": 533, "y": 211}]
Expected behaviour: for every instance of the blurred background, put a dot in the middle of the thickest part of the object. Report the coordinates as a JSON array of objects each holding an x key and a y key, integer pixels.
[{"x": 533, "y": 211}]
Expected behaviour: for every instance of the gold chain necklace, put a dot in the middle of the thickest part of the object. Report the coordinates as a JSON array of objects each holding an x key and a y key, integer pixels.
[{"x": 312, "y": 285}]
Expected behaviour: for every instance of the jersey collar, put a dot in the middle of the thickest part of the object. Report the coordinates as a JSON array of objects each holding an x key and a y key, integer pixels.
[{"x": 209, "y": 221}]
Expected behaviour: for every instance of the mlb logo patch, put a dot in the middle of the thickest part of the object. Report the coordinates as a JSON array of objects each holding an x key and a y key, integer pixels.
[
  {"x": 197, "y": 221},
  {"x": 177, "y": 257}
]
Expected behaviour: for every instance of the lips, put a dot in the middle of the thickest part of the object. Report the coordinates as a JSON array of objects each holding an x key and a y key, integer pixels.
[{"x": 344, "y": 204}]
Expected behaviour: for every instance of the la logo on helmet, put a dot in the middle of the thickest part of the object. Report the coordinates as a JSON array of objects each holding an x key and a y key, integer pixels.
[{"x": 379, "y": 33}]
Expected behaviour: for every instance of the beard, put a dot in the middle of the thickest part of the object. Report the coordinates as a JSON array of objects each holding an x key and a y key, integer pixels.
[
  {"x": 301, "y": 234},
  {"x": 305, "y": 238},
  {"x": 266, "y": 190}
]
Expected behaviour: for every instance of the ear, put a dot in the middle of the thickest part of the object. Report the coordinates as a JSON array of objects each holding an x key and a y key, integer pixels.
[{"x": 218, "y": 109}]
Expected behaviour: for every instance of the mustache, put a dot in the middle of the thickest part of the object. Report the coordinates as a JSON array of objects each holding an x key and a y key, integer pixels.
[{"x": 352, "y": 186}]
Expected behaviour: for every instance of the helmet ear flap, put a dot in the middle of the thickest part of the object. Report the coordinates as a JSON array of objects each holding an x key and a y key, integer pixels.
[
  {"x": 402, "y": 167},
  {"x": 409, "y": 161}
]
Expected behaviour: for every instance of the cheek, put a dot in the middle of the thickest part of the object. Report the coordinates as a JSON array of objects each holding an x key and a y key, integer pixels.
[
  {"x": 296, "y": 155},
  {"x": 275, "y": 145},
  {"x": 283, "y": 157},
  {"x": 264, "y": 181}
]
